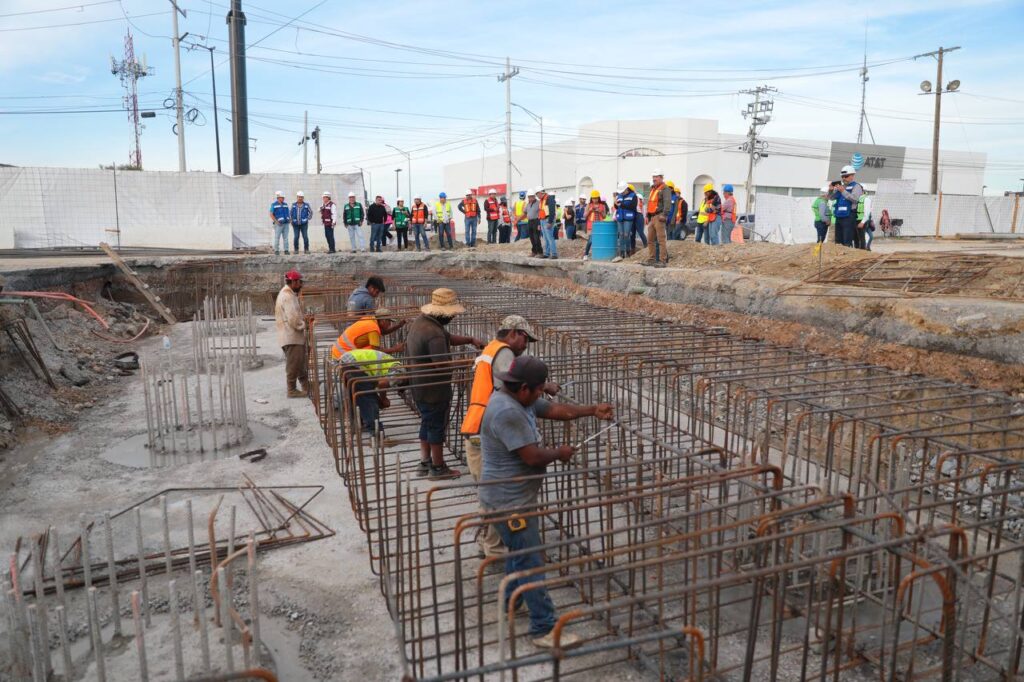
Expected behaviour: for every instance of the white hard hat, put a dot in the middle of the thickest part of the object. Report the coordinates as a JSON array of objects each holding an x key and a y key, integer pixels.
[
  {"x": 538, "y": 188},
  {"x": 351, "y": 194},
  {"x": 417, "y": 197},
  {"x": 623, "y": 186},
  {"x": 327, "y": 194},
  {"x": 847, "y": 170},
  {"x": 825, "y": 189},
  {"x": 399, "y": 199},
  {"x": 492, "y": 191},
  {"x": 531, "y": 192},
  {"x": 470, "y": 191},
  {"x": 657, "y": 171},
  {"x": 278, "y": 193},
  {"x": 300, "y": 193}
]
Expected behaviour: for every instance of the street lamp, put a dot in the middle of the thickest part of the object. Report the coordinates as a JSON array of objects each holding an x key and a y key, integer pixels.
[
  {"x": 213, "y": 75},
  {"x": 408, "y": 176},
  {"x": 397, "y": 193},
  {"x": 540, "y": 122}
]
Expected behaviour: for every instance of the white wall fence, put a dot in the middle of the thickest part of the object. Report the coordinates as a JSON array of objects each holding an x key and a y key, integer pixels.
[
  {"x": 71, "y": 207},
  {"x": 789, "y": 220}
]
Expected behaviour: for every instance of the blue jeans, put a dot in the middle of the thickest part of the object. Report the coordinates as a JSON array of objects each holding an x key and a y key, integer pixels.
[
  {"x": 444, "y": 230},
  {"x": 376, "y": 236},
  {"x": 281, "y": 235},
  {"x": 726, "y": 231},
  {"x": 709, "y": 231},
  {"x": 822, "y": 229},
  {"x": 471, "y": 223},
  {"x": 550, "y": 245},
  {"x": 570, "y": 231},
  {"x": 637, "y": 231},
  {"x": 301, "y": 231},
  {"x": 623, "y": 228},
  {"x": 433, "y": 421},
  {"x": 538, "y": 601},
  {"x": 420, "y": 230},
  {"x": 520, "y": 230}
]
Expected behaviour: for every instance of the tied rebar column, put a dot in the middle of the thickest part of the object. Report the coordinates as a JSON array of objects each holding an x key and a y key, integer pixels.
[{"x": 225, "y": 328}]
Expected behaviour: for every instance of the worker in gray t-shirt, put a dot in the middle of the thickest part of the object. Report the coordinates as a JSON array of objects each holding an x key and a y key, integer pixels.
[{"x": 512, "y": 447}]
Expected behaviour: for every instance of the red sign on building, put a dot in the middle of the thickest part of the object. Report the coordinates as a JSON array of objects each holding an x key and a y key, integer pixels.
[{"x": 482, "y": 190}]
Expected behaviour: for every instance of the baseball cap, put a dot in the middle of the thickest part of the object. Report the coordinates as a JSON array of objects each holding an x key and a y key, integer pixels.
[
  {"x": 526, "y": 369},
  {"x": 292, "y": 275},
  {"x": 518, "y": 323}
]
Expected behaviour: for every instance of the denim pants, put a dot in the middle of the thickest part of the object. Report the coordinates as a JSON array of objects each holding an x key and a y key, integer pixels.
[
  {"x": 492, "y": 231},
  {"x": 845, "y": 229},
  {"x": 637, "y": 231},
  {"x": 623, "y": 228},
  {"x": 444, "y": 231},
  {"x": 504, "y": 233},
  {"x": 376, "y": 236},
  {"x": 470, "y": 236},
  {"x": 570, "y": 231},
  {"x": 281, "y": 235},
  {"x": 822, "y": 229},
  {"x": 355, "y": 237},
  {"x": 329, "y": 236},
  {"x": 363, "y": 389},
  {"x": 726, "y": 231},
  {"x": 550, "y": 245},
  {"x": 538, "y": 601},
  {"x": 420, "y": 230},
  {"x": 714, "y": 228},
  {"x": 521, "y": 230},
  {"x": 301, "y": 231}
]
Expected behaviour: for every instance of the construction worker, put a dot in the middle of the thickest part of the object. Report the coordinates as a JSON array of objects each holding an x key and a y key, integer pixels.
[
  {"x": 368, "y": 332},
  {"x": 419, "y": 218},
  {"x": 547, "y": 211},
  {"x": 513, "y": 454},
  {"x": 670, "y": 220},
  {"x": 865, "y": 226},
  {"x": 659, "y": 205},
  {"x": 625, "y": 216},
  {"x": 444, "y": 220},
  {"x": 352, "y": 215},
  {"x": 376, "y": 215},
  {"x": 510, "y": 342},
  {"x": 291, "y": 334},
  {"x": 428, "y": 346},
  {"x": 682, "y": 212},
  {"x": 595, "y": 212},
  {"x": 569, "y": 218},
  {"x": 846, "y": 194},
  {"x": 519, "y": 214},
  {"x": 728, "y": 214},
  {"x": 638, "y": 224},
  {"x": 708, "y": 220},
  {"x": 300, "y": 214},
  {"x": 280, "y": 216},
  {"x": 367, "y": 371},
  {"x": 365, "y": 297},
  {"x": 822, "y": 214},
  {"x": 493, "y": 212},
  {"x": 580, "y": 217},
  {"x": 400, "y": 214},
  {"x": 504, "y": 222},
  {"x": 470, "y": 209},
  {"x": 533, "y": 224},
  {"x": 329, "y": 218}
]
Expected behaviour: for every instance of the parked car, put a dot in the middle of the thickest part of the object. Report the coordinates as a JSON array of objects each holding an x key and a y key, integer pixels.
[{"x": 746, "y": 221}]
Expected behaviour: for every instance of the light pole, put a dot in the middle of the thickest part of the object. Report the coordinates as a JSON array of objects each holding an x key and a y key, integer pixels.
[
  {"x": 178, "y": 106},
  {"x": 213, "y": 75},
  {"x": 926, "y": 89},
  {"x": 540, "y": 122},
  {"x": 408, "y": 175},
  {"x": 397, "y": 192}
]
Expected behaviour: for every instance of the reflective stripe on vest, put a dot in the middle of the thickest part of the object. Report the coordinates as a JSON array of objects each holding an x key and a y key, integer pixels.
[
  {"x": 346, "y": 342},
  {"x": 655, "y": 200},
  {"x": 491, "y": 208},
  {"x": 471, "y": 208},
  {"x": 483, "y": 387},
  {"x": 543, "y": 210},
  {"x": 373, "y": 362},
  {"x": 419, "y": 214}
]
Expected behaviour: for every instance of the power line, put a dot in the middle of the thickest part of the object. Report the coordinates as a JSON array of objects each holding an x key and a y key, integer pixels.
[
  {"x": 57, "y": 9},
  {"x": 78, "y": 23}
]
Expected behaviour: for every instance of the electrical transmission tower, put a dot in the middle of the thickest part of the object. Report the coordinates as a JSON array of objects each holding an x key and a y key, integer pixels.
[
  {"x": 130, "y": 70},
  {"x": 760, "y": 112}
]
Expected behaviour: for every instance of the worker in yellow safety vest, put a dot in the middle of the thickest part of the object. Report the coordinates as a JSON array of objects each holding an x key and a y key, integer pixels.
[
  {"x": 367, "y": 332},
  {"x": 366, "y": 373},
  {"x": 510, "y": 342}
]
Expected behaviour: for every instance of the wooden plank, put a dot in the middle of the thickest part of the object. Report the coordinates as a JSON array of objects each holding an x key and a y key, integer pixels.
[{"x": 137, "y": 282}]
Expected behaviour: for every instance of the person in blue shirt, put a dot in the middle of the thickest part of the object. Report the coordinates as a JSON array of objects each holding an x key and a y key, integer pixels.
[
  {"x": 300, "y": 214},
  {"x": 625, "y": 216},
  {"x": 280, "y": 216}
]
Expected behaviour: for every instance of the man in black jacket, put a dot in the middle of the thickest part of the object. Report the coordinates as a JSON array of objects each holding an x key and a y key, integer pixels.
[{"x": 376, "y": 214}]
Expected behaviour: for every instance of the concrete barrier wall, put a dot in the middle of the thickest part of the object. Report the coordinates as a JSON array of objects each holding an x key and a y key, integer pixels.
[{"x": 69, "y": 207}]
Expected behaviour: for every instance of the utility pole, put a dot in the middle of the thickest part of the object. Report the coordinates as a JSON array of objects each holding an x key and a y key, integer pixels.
[
  {"x": 213, "y": 76},
  {"x": 239, "y": 96},
  {"x": 178, "y": 105},
  {"x": 398, "y": 192},
  {"x": 506, "y": 78},
  {"x": 316, "y": 141},
  {"x": 760, "y": 113},
  {"x": 408, "y": 168},
  {"x": 305, "y": 136},
  {"x": 927, "y": 90},
  {"x": 863, "y": 95},
  {"x": 540, "y": 122}
]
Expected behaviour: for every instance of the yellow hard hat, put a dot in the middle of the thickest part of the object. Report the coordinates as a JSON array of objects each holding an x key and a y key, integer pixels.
[
  {"x": 708, "y": 187},
  {"x": 671, "y": 184},
  {"x": 595, "y": 194},
  {"x": 631, "y": 187}
]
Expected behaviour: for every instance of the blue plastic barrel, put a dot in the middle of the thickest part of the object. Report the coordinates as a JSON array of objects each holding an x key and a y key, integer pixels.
[{"x": 603, "y": 240}]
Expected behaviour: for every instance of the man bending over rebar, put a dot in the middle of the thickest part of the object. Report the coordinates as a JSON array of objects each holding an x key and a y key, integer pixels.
[{"x": 512, "y": 450}]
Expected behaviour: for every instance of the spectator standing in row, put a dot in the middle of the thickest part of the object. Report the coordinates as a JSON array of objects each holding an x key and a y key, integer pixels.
[
  {"x": 625, "y": 215},
  {"x": 504, "y": 222},
  {"x": 419, "y": 217},
  {"x": 470, "y": 209},
  {"x": 670, "y": 219},
  {"x": 533, "y": 224},
  {"x": 280, "y": 216},
  {"x": 822, "y": 214},
  {"x": 580, "y": 218},
  {"x": 728, "y": 214},
  {"x": 352, "y": 215},
  {"x": 846, "y": 195},
  {"x": 569, "y": 218},
  {"x": 708, "y": 220},
  {"x": 638, "y": 224},
  {"x": 400, "y": 215},
  {"x": 300, "y": 215},
  {"x": 492, "y": 211},
  {"x": 547, "y": 213},
  {"x": 659, "y": 205},
  {"x": 329, "y": 218},
  {"x": 595, "y": 212},
  {"x": 682, "y": 214},
  {"x": 865, "y": 225},
  {"x": 376, "y": 215},
  {"x": 519, "y": 215},
  {"x": 444, "y": 221}
]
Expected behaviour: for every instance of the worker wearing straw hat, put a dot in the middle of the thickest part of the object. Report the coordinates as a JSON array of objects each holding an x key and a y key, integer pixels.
[{"x": 428, "y": 350}]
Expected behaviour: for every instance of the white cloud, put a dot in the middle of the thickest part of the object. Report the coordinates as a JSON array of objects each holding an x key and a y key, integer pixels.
[{"x": 76, "y": 74}]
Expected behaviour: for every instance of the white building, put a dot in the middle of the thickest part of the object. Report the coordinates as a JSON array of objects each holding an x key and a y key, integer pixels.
[{"x": 692, "y": 152}]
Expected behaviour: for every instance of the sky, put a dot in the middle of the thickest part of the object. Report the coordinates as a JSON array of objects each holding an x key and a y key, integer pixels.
[{"x": 422, "y": 76}]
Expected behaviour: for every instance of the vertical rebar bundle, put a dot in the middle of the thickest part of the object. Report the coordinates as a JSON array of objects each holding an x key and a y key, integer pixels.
[
  {"x": 195, "y": 411},
  {"x": 224, "y": 328}
]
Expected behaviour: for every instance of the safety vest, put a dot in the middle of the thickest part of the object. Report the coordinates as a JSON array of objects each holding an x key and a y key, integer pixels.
[
  {"x": 442, "y": 212},
  {"x": 470, "y": 207},
  {"x": 543, "y": 211},
  {"x": 729, "y": 209},
  {"x": 491, "y": 208},
  {"x": 419, "y": 214},
  {"x": 483, "y": 387},
  {"x": 520, "y": 209},
  {"x": 352, "y": 334},
  {"x": 325, "y": 214},
  {"x": 373, "y": 362},
  {"x": 505, "y": 217},
  {"x": 654, "y": 201},
  {"x": 597, "y": 213}
]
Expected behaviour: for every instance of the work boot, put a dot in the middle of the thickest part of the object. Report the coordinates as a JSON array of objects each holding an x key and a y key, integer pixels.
[
  {"x": 568, "y": 640},
  {"x": 295, "y": 393},
  {"x": 443, "y": 472}
]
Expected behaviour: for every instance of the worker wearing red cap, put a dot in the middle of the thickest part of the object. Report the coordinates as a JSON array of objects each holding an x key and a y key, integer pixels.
[{"x": 291, "y": 334}]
